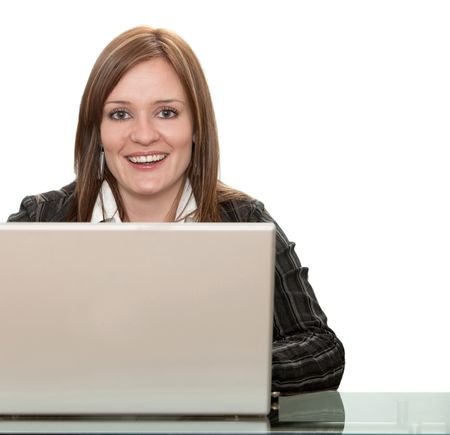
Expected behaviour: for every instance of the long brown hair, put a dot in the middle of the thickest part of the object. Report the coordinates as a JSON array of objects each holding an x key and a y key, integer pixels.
[{"x": 120, "y": 55}]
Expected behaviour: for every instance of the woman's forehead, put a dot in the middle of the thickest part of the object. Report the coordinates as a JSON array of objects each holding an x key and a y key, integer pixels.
[{"x": 151, "y": 80}]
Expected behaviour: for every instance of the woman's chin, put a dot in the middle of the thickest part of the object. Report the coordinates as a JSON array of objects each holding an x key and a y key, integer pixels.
[
  {"x": 150, "y": 188},
  {"x": 146, "y": 191}
]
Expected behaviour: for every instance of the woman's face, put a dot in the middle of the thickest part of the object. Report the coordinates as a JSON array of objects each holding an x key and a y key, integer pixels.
[{"x": 147, "y": 131}]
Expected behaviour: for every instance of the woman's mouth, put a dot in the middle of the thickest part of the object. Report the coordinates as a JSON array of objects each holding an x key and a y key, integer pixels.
[{"x": 146, "y": 160}]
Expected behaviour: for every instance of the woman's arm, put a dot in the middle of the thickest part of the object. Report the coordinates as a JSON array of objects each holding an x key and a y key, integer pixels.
[
  {"x": 26, "y": 211},
  {"x": 307, "y": 355},
  {"x": 50, "y": 206}
]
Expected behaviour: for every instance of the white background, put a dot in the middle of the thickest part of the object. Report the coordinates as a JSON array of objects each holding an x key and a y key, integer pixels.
[{"x": 336, "y": 114}]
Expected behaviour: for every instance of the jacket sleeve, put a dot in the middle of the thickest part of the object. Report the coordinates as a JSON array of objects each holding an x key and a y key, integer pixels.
[
  {"x": 27, "y": 211},
  {"x": 307, "y": 355},
  {"x": 52, "y": 206}
]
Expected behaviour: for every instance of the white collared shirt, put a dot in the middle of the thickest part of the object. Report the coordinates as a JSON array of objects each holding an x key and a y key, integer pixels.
[{"x": 109, "y": 213}]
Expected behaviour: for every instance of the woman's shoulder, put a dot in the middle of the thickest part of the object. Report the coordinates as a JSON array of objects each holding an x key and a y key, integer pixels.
[
  {"x": 237, "y": 206},
  {"x": 244, "y": 209},
  {"x": 52, "y": 206}
]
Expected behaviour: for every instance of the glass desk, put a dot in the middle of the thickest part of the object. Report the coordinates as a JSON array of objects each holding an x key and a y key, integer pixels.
[{"x": 324, "y": 412}]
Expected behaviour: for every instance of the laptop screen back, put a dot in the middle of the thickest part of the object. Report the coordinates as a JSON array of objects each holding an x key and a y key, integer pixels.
[{"x": 136, "y": 318}]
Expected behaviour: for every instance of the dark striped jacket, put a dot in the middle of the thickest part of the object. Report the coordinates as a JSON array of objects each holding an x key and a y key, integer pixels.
[{"x": 307, "y": 355}]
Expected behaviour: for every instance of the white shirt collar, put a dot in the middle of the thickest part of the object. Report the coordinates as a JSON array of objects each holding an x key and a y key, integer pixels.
[
  {"x": 187, "y": 205},
  {"x": 109, "y": 213}
]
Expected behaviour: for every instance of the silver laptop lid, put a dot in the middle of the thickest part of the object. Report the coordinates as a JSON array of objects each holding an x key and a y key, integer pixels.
[{"x": 136, "y": 318}]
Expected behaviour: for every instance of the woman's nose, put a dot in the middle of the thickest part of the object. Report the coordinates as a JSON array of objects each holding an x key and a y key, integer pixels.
[{"x": 144, "y": 131}]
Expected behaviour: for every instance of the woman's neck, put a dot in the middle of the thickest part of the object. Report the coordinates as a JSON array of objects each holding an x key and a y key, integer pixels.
[{"x": 160, "y": 207}]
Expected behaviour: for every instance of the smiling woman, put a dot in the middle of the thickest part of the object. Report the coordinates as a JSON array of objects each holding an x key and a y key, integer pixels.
[
  {"x": 146, "y": 150},
  {"x": 147, "y": 136},
  {"x": 145, "y": 98}
]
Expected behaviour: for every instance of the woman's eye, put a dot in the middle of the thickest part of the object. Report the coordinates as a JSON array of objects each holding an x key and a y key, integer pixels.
[
  {"x": 119, "y": 115},
  {"x": 167, "y": 113}
]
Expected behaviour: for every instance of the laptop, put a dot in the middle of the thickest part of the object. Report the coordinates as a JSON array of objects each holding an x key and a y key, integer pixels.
[{"x": 164, "y": 319}]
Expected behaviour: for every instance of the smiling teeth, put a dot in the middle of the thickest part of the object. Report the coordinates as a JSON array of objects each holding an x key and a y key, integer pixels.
[{"x": 147, "y": 159}]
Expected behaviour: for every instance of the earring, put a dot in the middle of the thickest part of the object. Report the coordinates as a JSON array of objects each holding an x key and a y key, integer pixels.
[{"x": 101, "y": 165}]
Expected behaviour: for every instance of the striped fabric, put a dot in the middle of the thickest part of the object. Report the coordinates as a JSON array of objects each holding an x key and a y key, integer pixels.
[{"x": 307, "y": 355}]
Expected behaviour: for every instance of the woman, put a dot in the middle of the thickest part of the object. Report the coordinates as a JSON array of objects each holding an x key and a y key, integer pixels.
[{"x": 147, "y": 150}]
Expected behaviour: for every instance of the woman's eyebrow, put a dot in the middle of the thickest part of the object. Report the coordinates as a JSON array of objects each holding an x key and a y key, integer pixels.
[
  {"x": 170, "y": 100},
  {"x": 117, "y": 102}
]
